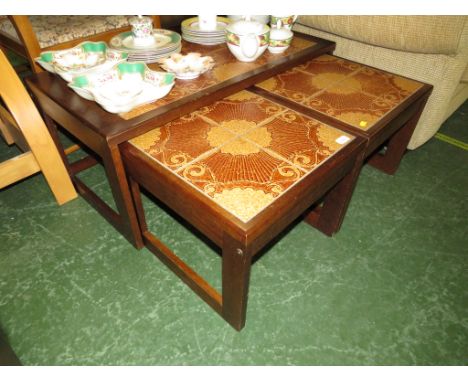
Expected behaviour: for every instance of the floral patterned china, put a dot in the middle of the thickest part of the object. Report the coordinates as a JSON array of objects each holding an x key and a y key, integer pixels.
[
  {"x": 287, "y": 21},
  {"x": 123, "y": 87},
  {"x": 83, "y": 58},
  {"x": 187, "y": 67},
  {"x": 142, "y": 30},
  {"x": 247, "y": 40},
  {"x": 280, "y": 39}
]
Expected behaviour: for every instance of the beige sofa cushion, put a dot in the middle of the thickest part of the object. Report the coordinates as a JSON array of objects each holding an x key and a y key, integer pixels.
[{"x": 418, "y": 34}]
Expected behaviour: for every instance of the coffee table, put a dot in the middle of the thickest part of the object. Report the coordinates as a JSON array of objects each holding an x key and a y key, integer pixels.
[
  {"x": 379, "y": 106},
  {"x": 240, "y": 171},
  {"x": 102, "y": 133}
]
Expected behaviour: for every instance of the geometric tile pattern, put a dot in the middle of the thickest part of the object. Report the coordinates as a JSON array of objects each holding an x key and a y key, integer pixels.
[
  {"x": 243, "y": 151},
  {"x": 352, "y": 93},
  {"x": 226, "y": 67}
]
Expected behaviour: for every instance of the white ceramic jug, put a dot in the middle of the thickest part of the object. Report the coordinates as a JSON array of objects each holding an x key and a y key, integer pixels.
[{"x": 247, "y": 40}]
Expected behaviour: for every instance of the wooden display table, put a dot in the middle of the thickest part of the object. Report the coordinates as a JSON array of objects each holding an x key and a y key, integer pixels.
[
  {"x": 102, "y": 132},
  {"x": 240, "y": 171},
  {"x": 381, "y": 107}
]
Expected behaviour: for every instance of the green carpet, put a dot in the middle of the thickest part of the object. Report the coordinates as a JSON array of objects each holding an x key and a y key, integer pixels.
[{"x": 389, "y": 289}]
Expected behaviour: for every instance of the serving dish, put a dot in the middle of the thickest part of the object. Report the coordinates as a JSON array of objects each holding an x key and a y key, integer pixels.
[
  {"x": 86, "y": 57},
  {"x": 187, "y": 67},
  {"x": 123, "y": 87}
]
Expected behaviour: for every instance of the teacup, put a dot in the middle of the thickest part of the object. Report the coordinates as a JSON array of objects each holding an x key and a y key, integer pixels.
[
  {"x": 207, "y": 22},
  {"x": 286, "y": 21},
  {"x": 280, "y": 39},
  {"x": 142, "y": 29},
  {"x": 247, "y": 40}
]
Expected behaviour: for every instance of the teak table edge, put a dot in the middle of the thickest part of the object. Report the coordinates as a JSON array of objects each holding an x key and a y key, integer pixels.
[
  {"x": 103, "y": 132},
  {"x": 239, "y": 241}
]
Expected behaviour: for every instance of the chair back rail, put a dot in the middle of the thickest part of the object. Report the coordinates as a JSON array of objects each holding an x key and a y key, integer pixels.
[{"x": 30, "y": 47}]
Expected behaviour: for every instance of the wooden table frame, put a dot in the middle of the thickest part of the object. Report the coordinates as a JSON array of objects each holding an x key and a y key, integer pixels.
[
  {"x": 238, "y": 241},
  {"x": 394, "y": 129},
  {"x": 103, "y": 133}
]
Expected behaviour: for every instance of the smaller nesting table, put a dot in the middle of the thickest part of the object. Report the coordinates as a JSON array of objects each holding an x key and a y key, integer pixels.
[
  {"x": 239, "y": 170},
  {"x": 381, "y": 107}
]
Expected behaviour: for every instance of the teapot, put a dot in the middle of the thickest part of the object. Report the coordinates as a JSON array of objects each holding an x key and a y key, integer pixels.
[{"x": 247, "y": 40}]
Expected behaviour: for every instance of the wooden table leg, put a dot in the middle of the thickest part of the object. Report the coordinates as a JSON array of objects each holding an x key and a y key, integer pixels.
[
  {"x": 117, "y": 178},
  {"x": 389, "y": 161},
  {"x": 330, "y": 215},
  {"x": 125, "y": 221},
  {"x": 237, "y": 262},
  {"x": 53, "y": 130}
]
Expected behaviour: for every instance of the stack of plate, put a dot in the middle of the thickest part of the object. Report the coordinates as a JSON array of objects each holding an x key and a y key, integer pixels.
[
  {"x": 191, "y": 32},
  {"x": 165, "y": 43}
]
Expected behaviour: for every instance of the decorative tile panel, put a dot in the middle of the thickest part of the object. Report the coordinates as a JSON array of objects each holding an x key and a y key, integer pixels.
[
  {"x": 246, "y": 160},
  {"x": 352, "y": 93},
  {"x": 299, "y": 83}
]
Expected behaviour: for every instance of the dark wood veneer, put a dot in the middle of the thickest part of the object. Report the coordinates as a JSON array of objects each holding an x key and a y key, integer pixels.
[
  {"x": 103, "y": 132},
  {"x": 239, "y": 241}
]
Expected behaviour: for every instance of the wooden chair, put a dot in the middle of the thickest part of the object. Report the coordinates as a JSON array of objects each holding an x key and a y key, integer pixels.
[
  {"x": 20, "y": 123},
  {"x": 25, "y": 36}
]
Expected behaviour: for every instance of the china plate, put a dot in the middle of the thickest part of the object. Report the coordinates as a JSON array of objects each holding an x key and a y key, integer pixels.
[
  {"x": 205, "y": 41},
  {"x": 192, "y": 25},
  {"x": 163, "y": 40},
  {"x": 187, "y": 67},
  {"x": 84, "y": 58},
  {"x": 123, "y": 87}
]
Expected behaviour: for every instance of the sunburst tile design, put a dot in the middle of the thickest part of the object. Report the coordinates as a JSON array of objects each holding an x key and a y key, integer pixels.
[
  {"x": 244, "y": 105},
  {"x": 380, "y": 83},
  {"x": 243, "y": 179},
  {"x": 302, "y": 141},
  {"x": 355, "y": 108},
  {"x": 292, "y": 85},
  {"x": 329, "y": 64},
  {"x": 301, "y": 82},
  {"x": 353, "y": 93},
  {"x": 246, "y": 160},
  {"x": 181, "y": 141}
]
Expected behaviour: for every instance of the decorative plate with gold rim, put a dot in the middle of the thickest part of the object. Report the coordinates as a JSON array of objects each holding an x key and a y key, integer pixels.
[
  {"x": 191, "y": 31},
  {"x": 164, "y": 41}
]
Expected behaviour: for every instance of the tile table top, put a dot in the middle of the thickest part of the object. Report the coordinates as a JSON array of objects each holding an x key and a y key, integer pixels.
[
  {"x": 243, "y": 151},
  {"x": 350, "y": 92}
]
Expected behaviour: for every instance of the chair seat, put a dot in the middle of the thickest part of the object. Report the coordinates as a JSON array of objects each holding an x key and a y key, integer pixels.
[{"x": 52, "y": 30}]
